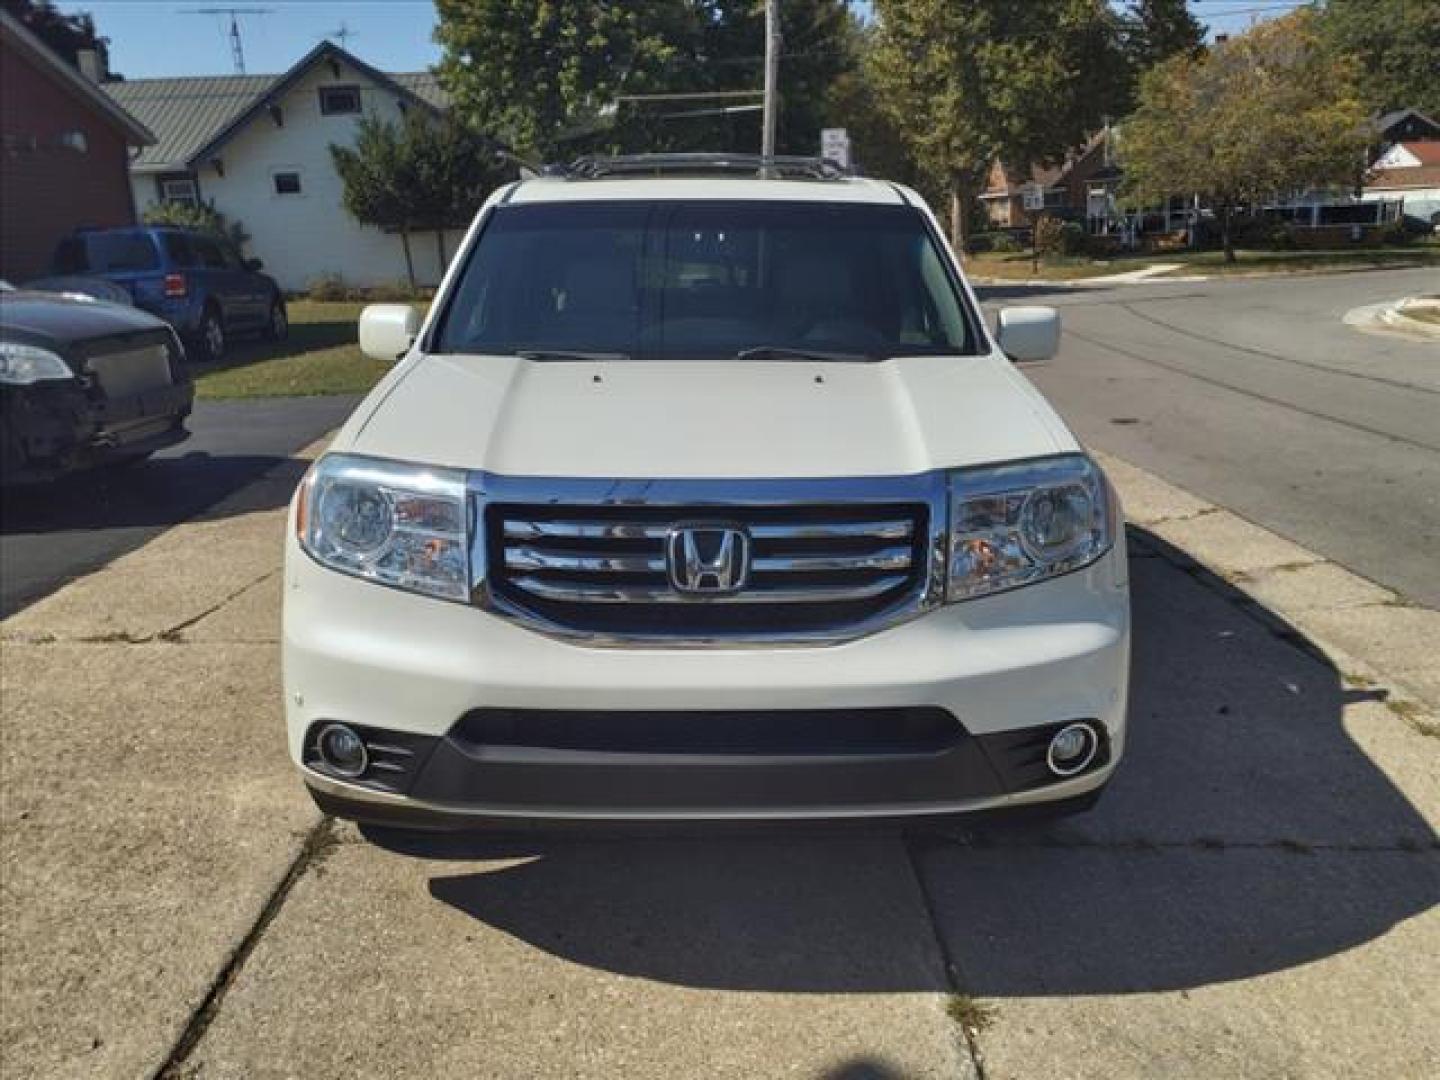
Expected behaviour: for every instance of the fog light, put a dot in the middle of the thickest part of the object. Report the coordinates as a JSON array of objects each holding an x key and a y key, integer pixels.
[
  {"x": 1072, "y": 749},
  {"x": 342, "y": 750}
]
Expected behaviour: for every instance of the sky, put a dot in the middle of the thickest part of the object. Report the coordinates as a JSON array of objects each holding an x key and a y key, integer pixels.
[{"x": 150, "y": 38}]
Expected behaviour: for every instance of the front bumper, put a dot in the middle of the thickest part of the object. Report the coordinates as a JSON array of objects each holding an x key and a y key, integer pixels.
[
  {"x": 51, "y": 428},
  {"x": 416, "y": 672}
]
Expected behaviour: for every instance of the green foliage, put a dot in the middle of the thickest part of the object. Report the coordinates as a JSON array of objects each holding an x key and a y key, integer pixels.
[
  {"x": 967, "y": 82},
  {"x": 203, "y": 218},
  {"x": 1268, "y": 113},
  {"x": 557, "y": 78},
  {"x": 65, "y": 34},
  {"x": 1156, "y": 30},
  {"x": 1396, "y": 47},
  {"x": 421, "y": 174},
  {"x": 1056, "y": 237}
]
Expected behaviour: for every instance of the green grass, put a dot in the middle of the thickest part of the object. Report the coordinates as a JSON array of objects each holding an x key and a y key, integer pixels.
[
  {"x": 321, "y": 356},
  {"x": 1017, "y": 266}
]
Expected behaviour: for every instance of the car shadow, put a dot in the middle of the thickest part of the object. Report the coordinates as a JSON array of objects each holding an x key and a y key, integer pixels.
[{"x": 1247, "y": 832}]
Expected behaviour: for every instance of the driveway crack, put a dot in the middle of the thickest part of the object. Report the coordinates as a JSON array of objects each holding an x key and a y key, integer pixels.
[{"x": 318, "y": 843}]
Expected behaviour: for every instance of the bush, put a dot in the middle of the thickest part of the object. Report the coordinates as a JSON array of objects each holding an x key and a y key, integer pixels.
[
  {"x": 1282, "y": 238},
  {"x": 1007, "y": 243},
  {"x": 203, "y": 218},
  {"x": 329, "y": 288},
  {"x": 1056, "y": 237}
]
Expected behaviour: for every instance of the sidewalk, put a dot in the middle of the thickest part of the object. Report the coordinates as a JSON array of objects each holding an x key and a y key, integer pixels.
[{"x": 1254, "y": 897}]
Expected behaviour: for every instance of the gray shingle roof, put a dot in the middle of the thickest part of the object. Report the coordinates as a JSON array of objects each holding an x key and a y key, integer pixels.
[{"x": 187, "y": 113}]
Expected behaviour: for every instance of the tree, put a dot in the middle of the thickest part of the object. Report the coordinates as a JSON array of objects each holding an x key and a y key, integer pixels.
[
  {"x": 421, "y": 174},
  {"x": 1154, "y": 31},
  {"x": 534, "y": 72},
  {"x": 968, "y": 81},
  {"x": 65, "y": 34},
  {"x": 1396, "y": 48},
  {"x": 1267, "y": 113},
  {"x": 556, "y": 78}
]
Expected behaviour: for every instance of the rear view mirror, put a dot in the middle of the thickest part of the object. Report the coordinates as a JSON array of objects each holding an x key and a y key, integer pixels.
[
  {"x": 388, "y": 330},
  {"x": 254, "y": 265},
  {"x": 1029, "y": 333}
]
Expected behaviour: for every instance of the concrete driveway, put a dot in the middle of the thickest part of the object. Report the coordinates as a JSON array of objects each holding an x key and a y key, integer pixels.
[{"x": 1256, "y": 895}]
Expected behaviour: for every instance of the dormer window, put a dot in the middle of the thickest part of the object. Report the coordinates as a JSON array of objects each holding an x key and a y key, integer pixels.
[{"x": 339, "y": 100}]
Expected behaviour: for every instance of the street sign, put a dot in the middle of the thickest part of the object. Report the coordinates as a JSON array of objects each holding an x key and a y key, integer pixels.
[
  {"x": 1034, "y": 197},
  {"x": 835, "y": 146}
]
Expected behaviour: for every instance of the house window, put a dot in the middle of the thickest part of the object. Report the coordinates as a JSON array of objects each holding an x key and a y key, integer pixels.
[
  {"x": 287, "y": 183},
  {"x": 339, "y": 100},
  {"x": 179, "y": 189}
]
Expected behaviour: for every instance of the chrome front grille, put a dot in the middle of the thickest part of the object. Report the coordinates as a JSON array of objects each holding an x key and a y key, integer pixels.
[{"x": 815, "y": 570}]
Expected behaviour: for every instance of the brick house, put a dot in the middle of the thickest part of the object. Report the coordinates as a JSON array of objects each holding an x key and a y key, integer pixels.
[
  {"x": 64, "y": 153},
  {"x": 1081, "y": 188}
]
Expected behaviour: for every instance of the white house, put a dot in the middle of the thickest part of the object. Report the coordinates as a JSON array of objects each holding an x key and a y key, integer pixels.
[
  {"x": 258, "y": 147},
  {"x": 1410, "y": 172}
]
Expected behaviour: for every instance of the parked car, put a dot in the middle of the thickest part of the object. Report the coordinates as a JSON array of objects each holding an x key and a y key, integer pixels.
[
  {"x": 197, "y": 283},
  {"x": 704, "y": 491},
  {"x": 93, "y": 288},
  {"x": 85, "y": 382}
]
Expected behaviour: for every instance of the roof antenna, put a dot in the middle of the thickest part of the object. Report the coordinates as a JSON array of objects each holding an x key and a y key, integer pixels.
[
  {"x": 343, "y": 33},
  {"x": 237, "y": 50}
]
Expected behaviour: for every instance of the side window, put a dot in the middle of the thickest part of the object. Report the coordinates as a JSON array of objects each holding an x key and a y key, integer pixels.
[
  {"x": 178, "y": 249},
  {"x": 210, "y": 254},
  {"x": 287, "y": 182}
]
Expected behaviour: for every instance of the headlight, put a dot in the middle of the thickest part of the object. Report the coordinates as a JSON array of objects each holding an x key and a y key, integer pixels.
[
  {"x": 21, "y": 365},
  {"x": 1017, "y": 524},
  {"x": 397, "y": 524}
]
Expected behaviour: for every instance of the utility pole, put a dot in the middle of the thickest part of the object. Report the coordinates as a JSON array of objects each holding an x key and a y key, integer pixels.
[{"x": 772, "y": 76}]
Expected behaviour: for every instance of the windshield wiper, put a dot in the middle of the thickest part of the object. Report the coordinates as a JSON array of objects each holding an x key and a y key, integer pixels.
[
  {"x": 568, "y": 355},
  {"x": 785, "y": 352}
]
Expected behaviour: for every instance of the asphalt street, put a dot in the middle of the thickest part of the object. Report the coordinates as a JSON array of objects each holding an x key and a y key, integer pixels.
[
  {"x": 52, "y": 533},
  {"x": 1254, "y": 395}
]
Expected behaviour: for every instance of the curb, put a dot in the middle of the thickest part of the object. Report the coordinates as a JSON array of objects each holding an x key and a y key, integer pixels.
[{"x": 1373, "y": 636}]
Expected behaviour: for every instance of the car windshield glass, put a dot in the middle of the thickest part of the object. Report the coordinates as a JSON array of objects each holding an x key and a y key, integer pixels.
[
  {"x": 707, "y": 280},
  {"x": 108, "y": 253}
]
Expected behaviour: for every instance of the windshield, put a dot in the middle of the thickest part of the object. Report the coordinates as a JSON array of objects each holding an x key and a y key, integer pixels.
[{"x": 706, "y": 280}]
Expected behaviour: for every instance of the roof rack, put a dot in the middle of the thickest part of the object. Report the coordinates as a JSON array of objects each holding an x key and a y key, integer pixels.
[{"x": 755, "y": 165}]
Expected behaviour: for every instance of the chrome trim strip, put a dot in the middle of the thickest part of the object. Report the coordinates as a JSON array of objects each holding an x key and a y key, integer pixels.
[
  {"x": 583, "y": 592},
  {"x": 888, "y": 559},
  {"x": 528, "y": 558}
]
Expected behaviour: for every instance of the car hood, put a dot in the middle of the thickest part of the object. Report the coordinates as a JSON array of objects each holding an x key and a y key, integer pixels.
[
  {"x": 63, "y": 320},
  {"x": 692, "y": 419}
]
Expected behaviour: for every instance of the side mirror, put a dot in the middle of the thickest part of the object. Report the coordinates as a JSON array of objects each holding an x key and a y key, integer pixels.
[
  {"x": 1029, "y": 333},
  {"x": 254, "y": 265},
  {"x": 388, "y": 330}
]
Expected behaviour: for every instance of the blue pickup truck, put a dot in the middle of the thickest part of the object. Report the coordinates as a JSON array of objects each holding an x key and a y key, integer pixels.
[{"x": 197, "y": 283}]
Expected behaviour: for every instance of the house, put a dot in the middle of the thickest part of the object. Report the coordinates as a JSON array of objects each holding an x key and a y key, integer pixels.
[
  {"x": 1406, "y": 125},
  {"x": 1409, "y": 172},
  {"x": 1080, "y": 188},
  {"x": 64, "y": 152},
  {"x": 257, "y": 147}
]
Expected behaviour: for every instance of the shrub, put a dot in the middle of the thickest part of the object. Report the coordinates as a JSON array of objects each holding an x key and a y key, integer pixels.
[
  {"x": 1049, "y": 235},
  {"x": 1007, "y": 243},
  {"x": 203, "y": 218},
  {"x": 1282, "y": 237},
  {"x": 329, "y": 287}
]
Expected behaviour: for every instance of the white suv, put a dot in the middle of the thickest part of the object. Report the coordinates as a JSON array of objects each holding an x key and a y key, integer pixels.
[{"x": 704, "y": 492}]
